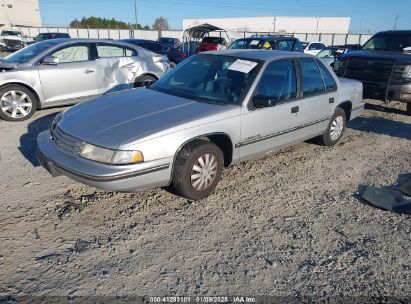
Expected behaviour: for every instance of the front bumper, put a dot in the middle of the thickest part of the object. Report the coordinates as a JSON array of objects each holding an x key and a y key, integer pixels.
[
  {"x": 393, "y": 92},
  {"x": 128, "y": 178}
]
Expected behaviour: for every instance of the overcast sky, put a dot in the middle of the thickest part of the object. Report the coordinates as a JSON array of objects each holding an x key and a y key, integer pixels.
[{"x": 366, "y": 15}]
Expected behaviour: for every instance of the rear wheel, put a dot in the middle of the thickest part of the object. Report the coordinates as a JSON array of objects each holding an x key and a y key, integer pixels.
[
  {"x": 408, "y": 108},
  {"x": 142, "y": 80},
  {"x": 197, "y": 169},
  {"x": 17, "y": 103},
  {"x": 335, "y": 128}
]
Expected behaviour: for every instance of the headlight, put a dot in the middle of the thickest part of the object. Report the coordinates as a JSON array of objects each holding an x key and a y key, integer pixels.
[
  {"x": 109, "y": 156},
  {"x": 97, "y": 154},
  {"x": 407, "y": 71},
  {"x": 127, "y": 157}
]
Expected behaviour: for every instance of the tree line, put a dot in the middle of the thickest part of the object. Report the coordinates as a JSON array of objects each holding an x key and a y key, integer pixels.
[{"x": 96, "y": 22}]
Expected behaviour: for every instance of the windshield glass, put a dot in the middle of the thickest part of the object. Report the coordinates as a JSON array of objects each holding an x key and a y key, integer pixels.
[
  {"x": 247, "y": 44},
  {"x": 10, "y": 33},
  {"x": 29, "y": 52},
  {"x": 210, "y": 78},
  {"x": 328, "y": 52},
  {"x": 394, "y": 43}
]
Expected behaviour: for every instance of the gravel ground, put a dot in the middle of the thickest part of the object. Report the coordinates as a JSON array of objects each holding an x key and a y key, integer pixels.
[{"x": 286, "y": 224}]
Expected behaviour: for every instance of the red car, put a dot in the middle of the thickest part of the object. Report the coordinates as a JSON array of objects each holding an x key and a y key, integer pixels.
[{"x": 211, "y": 44}]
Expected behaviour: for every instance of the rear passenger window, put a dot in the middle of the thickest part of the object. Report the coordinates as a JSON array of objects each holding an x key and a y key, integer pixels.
[
  {"x": 330, "y": 84},
  {"x": 279, "y": 81},
  {"x": 108, "y": 51},
  {"x": 311, "y": 77},
  {"x": 297, "y": 46}
]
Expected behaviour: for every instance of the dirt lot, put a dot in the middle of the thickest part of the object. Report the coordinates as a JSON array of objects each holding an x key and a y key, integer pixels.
[{"x": 288, "y": 223}]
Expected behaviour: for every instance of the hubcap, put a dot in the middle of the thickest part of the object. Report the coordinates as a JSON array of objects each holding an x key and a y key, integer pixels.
[
  {"x": 15, "y": 104},
  {"x": 204, "y": 172},
  {"x": 337, "y": 127}
]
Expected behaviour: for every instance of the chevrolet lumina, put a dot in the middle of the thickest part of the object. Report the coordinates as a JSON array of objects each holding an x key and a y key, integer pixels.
[{"x": 213, "y": 110}]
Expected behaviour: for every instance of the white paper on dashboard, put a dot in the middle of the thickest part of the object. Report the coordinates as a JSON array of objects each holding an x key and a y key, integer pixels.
[
  {"x": 255, "y": 42},
  {"x": 243, "y": 66}
]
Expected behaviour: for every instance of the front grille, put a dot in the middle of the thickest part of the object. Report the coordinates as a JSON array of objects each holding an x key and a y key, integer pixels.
[
  {"x": 11, "y": 42},
  {"x": 65, "y": 142},
  {"x": 369, "y": 70}
]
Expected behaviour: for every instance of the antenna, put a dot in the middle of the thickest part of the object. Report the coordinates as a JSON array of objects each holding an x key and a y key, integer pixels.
[{"x": 396, "y": 22}]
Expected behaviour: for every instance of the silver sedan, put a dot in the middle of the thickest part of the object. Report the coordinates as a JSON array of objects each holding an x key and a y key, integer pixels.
[
  {"x": 66, "y": 71},
  {"x": 212, "y": 110}
]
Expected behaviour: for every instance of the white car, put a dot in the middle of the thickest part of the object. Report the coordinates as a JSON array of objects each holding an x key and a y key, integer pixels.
[{"x": 313, "y": 48}]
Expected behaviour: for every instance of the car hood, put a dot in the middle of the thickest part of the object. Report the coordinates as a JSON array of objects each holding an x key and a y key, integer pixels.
[
  {"x": 7, "y": 65},
  {"x": 397, "y": 56},
  {"x": 123, "y": 118}
]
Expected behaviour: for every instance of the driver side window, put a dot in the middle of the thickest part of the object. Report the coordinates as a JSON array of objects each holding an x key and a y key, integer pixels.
[
  {"x": 76, "y": 53},
  {"x": 279, "y": 81}
]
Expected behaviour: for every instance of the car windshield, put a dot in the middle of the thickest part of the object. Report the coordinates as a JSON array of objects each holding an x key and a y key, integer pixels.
[
  {"x": 214, "y": 40},
  {"x": 328, "y": 52},
  {"x": 10, "y": 33},
  {"x": 29, "y": 52},
  {"x": 210, "y": 78},
  {"x": 247, "y": 44},
  {"x": 395, "y": 43}
]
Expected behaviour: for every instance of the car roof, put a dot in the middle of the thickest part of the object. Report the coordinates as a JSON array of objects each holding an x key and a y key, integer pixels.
[
  {"x": 394, "y": 32},
  {"x": 138, "y": 40},
  {"x": 86, "y": 40},
  {"x": 257, "y": 54}
]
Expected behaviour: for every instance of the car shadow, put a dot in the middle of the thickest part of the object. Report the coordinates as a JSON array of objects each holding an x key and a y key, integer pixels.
[
  {"x": 382, "y": 126},
  {"x": 382, "y": 108},
  {"x": 28, "y": 141}
]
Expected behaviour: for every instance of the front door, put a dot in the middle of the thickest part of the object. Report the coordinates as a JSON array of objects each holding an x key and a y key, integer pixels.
[
  {"x": 73, "y": 78},
  {"x": 264, "y": 129}
]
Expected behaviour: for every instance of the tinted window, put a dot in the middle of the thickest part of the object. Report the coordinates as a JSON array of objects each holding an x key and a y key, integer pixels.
[
  {"x": 282, "y": 46},
  {"x": 329, "y": 81},
  {"x": 279, "y": 81},
  {"x": 388, "y": 43},
  {"x": 73, "y": 53},
  {"x": 214, "y": 40},
  {"x": 297, "y": 46},
  {"x": 247, "y": 44},
  {"x": 108, "y": 51},
  {"x": 311, "y": 77},
  {"x": 316, "y": 46}
]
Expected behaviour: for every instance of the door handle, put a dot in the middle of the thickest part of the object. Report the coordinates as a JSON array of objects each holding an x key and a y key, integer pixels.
[
  {"x": 88, "y": 71},
  {"x": 295, "y": 109},
  {"x": 331, "y": 100}
]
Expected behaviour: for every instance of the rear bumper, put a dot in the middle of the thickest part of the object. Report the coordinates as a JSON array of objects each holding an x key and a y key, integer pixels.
[{"x": 128, "y": 178}]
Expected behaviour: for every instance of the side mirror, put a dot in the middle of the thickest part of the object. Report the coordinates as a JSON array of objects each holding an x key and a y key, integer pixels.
[
  {"x": 51, "y": 60},
  {"x": 260, "y": 101}
]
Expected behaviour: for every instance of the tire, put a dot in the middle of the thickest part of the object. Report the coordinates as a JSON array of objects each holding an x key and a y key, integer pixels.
[
  {"x": 335, "y": 129},
  {"x": 408, "y": 108},
  {"x": 172, "y": 64},
  {"x": 197, "y": 170},
  {"x": 140, "y": 81},
  {"x": 17, "y": 103}
]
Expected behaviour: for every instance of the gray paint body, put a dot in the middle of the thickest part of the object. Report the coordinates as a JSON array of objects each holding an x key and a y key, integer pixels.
[{"x": 159, "y": 125}]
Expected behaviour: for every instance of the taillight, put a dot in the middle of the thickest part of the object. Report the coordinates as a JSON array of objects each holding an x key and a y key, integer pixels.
[{"x": 182, "y": 55}]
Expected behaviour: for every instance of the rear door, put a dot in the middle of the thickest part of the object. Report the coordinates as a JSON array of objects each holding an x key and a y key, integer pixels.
[
  {"x": 263, "y": 129},
  {"x": 117, "y": 67},
  {"x": 318, "y": 95},
  {"x": 72, "y": 78}
]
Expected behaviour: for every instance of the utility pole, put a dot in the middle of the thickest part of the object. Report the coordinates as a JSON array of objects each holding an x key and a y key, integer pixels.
[
  {"x": 135, "y": 11},
  {"x": 396, "y": 22}
]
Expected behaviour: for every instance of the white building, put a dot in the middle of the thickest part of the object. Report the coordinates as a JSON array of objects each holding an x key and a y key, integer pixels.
[
  {"x": 337, "y": 25},
  {"x": 19, "y": 13}
]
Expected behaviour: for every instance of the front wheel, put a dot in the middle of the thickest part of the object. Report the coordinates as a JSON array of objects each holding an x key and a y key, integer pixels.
[
  {"x": 197, "y": 169},
  {"x": 335, "y": 128},
  {"x": 17, "y": 103}
]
